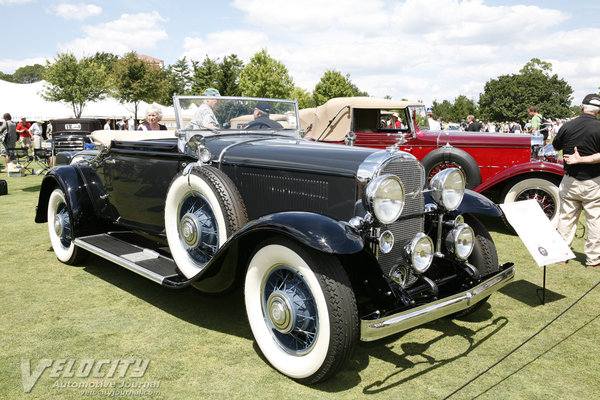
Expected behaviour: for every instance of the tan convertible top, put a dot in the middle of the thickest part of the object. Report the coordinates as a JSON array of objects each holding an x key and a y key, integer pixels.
[
  {"x": 315, "y": 120},
  {"x": 104, "y": 137}
]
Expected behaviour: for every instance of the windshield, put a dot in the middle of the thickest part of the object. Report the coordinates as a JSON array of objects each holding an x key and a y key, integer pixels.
[
  {"x": 220, "y": 114},
  {"x": 419, "y": 117}
]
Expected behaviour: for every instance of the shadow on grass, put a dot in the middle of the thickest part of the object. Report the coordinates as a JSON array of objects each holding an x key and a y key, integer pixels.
[
  {"x": 217, "y": 313},
  {"x": 224, "y": 313},
  {"x": 412, "y": 359},
  {"x": 35, "y": 188},
  {"x": 527, "y": 292}
]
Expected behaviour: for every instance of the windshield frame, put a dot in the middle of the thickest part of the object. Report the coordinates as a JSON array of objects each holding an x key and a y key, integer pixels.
[{"x": 180, "y": 115}]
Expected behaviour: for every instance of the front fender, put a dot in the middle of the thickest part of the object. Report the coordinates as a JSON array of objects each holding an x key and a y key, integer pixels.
[
  {"x": 68, "y": 179},
  {"x": 474, "y": 203},
  {"x": 519, "y": 169},
  {"x": 314, "y": 230}
]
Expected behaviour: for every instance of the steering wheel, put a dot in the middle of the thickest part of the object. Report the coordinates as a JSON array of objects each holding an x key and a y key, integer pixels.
[{"x": 258, "y": 125}]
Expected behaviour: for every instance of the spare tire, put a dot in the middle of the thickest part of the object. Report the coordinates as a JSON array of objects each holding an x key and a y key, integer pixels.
[
  {"x": 451, "y": 157},
  {"x": 202, "y": 210}
]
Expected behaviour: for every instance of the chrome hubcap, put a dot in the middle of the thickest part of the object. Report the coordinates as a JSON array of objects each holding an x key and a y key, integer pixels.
[
  {"x": 189, "y": 229},
  {"x": 58, "y": 225},
  {"x": 280, "y": 312}
]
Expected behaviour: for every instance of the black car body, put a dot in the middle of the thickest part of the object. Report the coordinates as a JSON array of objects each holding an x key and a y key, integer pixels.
[
  {"x": 333, "y": 244},
  {"x": 73, "y": 134}
]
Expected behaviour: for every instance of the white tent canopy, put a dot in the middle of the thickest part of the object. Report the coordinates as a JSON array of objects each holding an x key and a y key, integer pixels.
[{"x": 25, "y": 100}]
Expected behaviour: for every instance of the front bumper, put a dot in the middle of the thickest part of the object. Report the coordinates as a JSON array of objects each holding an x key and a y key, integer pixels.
[{"x": 374, "y": 329}]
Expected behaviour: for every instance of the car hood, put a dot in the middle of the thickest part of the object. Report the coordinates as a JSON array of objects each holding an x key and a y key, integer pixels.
[{"x": 289, "y": 154}]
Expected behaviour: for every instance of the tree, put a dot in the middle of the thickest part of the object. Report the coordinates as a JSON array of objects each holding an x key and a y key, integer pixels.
[
  {"x": 108, "y": 60},
  {"x": 135, "y": 81},
  {"x": 178, "y": 80},
  {"x": 304, "y": 98},
  {"x": 265, "y": 77},
  {"x": 334, "y": 84},
  {"x": 228, "y": 75},
  {"x": 74, "y": 82},
  {"x": 28, "y": 74},
  {"x": 205, "y": 75},
  {"x": 507, "y": 97}
]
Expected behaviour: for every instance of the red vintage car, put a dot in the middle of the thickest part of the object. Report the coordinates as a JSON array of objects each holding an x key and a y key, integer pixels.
[{"x": 504, "y": 167}]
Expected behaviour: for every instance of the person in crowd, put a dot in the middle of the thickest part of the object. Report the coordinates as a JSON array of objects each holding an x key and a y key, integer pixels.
[
  {"x": 8, "y": 134},
  {"x": 396, "y": 124},
  {"x": 121, "y": 124},
  {"x": 204, "y": 117},
  {"x": 579, "y": 139},
  {"x": 107, "y": 125},
  {"x": 131, "y": 123},
  {"x": 536, "y": 122},
  {"x": 49, "y": 129},
  {"x": 24, "y": 135},
  {"x": 434, "y": 125},
  {"x": 262, "y": 120},
  {"x": 472, "y": 124},
  {"x": 37, "y": 132},
  {"x": 153, "y": 117}
]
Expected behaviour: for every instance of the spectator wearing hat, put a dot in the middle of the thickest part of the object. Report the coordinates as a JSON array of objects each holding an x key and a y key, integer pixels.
[
  {"x": 36, "y": 132},
  {"x": 261, "y": 114},
  {"x": 204, "y": 117},
  {"x": 579, "y": 139},
  {"x": 24, "y": 135}
]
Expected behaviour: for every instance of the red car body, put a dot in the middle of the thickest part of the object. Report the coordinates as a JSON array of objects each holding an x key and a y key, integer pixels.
[{"x": 504, "y": 167}]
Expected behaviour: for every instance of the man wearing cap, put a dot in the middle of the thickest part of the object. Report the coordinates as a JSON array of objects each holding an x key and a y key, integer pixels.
[
  {"x": 24, "y": 135},
  {"x": 261, "y": 118},
  {"x": 204, "y": 117},
  {"x": 580, "y": 187}
]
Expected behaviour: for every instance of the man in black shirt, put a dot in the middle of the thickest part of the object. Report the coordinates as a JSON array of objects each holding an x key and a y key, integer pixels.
[
  {"x": 580, "y": 187},
  {"x": 473, "y": 125}
]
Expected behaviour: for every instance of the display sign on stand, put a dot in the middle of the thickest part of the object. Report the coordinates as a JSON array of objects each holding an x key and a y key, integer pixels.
[{"x": 538, "y": 234}]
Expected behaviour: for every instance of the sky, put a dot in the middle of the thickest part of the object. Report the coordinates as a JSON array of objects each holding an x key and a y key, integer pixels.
[{"x": 413, "y": 49}]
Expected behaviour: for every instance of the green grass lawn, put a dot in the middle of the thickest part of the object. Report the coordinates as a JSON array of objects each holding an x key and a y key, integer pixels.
[{"x": 201, "y": 347}]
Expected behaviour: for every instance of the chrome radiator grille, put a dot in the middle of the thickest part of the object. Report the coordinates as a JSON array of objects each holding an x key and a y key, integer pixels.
[{"x": 410, "y": 171}]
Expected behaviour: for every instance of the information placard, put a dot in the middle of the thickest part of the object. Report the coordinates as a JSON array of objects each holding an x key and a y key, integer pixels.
[{"x": 534, "y": 228}]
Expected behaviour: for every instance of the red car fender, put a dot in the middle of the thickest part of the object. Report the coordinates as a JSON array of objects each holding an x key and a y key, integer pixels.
[{"x": 525, "y": 168}]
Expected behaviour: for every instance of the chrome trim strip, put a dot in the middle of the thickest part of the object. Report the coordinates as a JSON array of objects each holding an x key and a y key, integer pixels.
[
  {"x": 382, "y": 327},
  {"x": 120, "y": 261}
]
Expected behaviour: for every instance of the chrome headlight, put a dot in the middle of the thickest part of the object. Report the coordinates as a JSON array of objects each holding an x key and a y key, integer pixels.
[
  {"x": 460, "y": 241},
  {"x": 420, "y": 252},
  {"x": 448, "y": 188},
  {"x": 384, "y": 198}
]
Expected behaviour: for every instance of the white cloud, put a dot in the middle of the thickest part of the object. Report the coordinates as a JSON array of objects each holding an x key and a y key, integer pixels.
[
  {"x": 76, "y": 11},
  {"x": 131, "y": 32},
  {"x": 219, "y": 44},
  {"x": 9, "y": 66},
  {"x": 9, "y": 2},
  {"x": 437, "y": 49}
]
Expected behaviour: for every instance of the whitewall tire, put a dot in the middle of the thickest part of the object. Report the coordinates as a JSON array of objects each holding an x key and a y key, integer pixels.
[
  {"x": 202, "y": 210},
  {"x": 542, "y": 190},
  {"x": 60, "y": 229},
  {"x": 301, "y": 310}
]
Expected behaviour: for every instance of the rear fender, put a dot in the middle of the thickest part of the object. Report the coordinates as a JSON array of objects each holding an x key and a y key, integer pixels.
[
  {"x": 531, "y": 167},
  {"x": 68, "y": 179}
]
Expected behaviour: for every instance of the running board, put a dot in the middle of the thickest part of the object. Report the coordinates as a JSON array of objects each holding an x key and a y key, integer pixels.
[{"x": 145, "y": 262}]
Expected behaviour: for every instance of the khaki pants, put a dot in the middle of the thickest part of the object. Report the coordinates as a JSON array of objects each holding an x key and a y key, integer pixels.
[{"x": 576, "y": 195}]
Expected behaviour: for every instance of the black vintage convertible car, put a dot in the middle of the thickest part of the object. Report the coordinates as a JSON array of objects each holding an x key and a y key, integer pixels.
[{"x": 331, "y": 244}]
